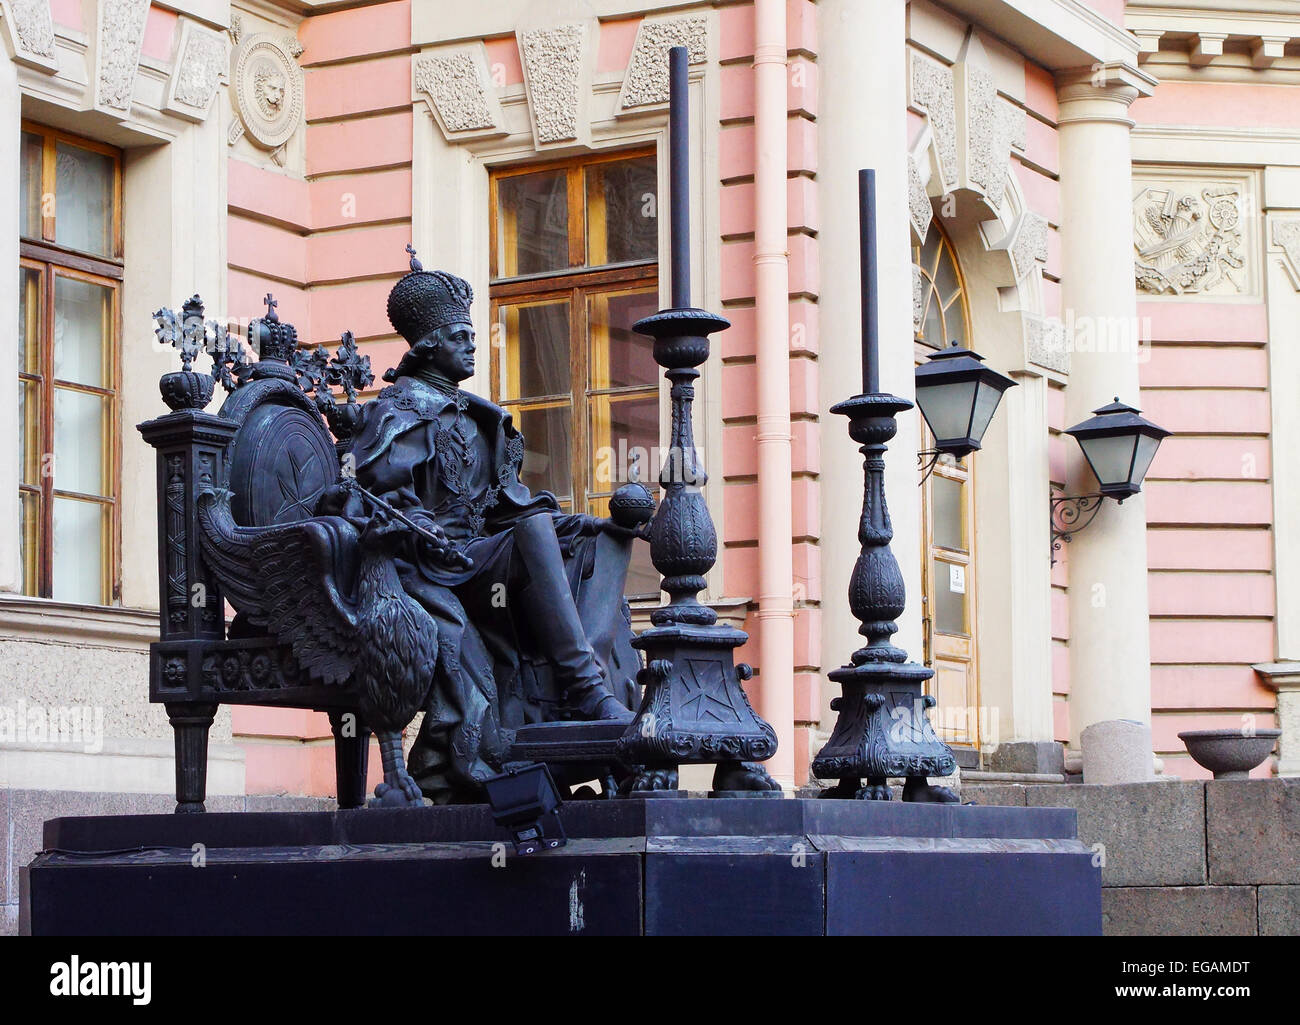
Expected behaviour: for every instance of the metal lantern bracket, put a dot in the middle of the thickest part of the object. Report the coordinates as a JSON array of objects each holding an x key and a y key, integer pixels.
[
  {"x": 933, "y": 455},
  {"x": 1070, "y": 514}
]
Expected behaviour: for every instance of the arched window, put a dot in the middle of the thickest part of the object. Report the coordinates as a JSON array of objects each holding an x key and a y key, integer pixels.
[
  {"x": 948, "y": 581},
  {"x": 943, "y": 300}
]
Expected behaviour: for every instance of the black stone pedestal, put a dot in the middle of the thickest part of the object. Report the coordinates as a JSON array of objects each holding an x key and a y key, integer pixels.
[{"x": 716, "y": 867}]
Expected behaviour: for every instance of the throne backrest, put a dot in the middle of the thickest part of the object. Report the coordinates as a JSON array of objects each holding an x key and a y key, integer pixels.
[{"x": 282, "y": 458}]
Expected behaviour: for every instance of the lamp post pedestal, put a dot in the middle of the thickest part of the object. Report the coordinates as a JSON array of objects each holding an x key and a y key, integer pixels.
[
  {"x": 693, "y": 707},
  {"x": 883, "y": 728}
]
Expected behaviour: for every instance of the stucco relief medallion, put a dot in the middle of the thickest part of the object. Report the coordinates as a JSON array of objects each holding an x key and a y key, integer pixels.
[
  {"x": 1189, "y": 240},
  {"x": 268, "y": 91}
]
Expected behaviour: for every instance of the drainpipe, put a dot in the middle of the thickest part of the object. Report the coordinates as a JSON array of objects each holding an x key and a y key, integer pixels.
[{"x": 771, "y": 301}]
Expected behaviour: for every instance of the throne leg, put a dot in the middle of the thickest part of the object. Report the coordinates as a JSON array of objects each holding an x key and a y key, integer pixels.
[
  {"x": 351, "y": 757},
  {"x": 190, "y": 725}
]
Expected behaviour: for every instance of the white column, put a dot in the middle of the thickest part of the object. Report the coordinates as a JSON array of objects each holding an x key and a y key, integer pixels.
[
  {"x": 861, "y": 123},
  {"x": 1110, "y": 671}
]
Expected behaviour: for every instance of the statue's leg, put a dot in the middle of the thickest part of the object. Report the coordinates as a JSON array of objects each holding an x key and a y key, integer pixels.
[{"x": 557, "y": 625}]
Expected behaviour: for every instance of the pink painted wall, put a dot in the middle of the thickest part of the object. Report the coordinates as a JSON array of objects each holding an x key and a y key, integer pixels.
[
  {"x": 330, "y": 245},
  {"x": 739, "y": 529},
  {"x": 1209, "y": 497}
]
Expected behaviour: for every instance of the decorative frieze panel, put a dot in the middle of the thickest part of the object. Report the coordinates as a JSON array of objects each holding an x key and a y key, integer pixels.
[
  {"x": 201, "y": 61},
  {"x": 646, "y": 81},
  {"x": 1188, "y": 239},
  {"x": 119, "y": 34},
  {"x": 268, "y": 88},
  {"x": 457, "y": 86},
  {"x": 28, "y": 30},
  {"x": 555, "y": 75}
]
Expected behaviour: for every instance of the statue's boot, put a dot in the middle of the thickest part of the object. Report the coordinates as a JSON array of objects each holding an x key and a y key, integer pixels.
[{"x": 560, "y": 626}]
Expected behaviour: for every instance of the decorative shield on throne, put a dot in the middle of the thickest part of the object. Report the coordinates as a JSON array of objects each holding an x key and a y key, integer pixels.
[{"x": 282, "y": 459}]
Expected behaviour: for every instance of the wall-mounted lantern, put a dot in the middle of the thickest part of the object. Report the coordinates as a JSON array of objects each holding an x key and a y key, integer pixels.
[
  {"x": 1119, "y": 446},
  {"x": 958, "y": 395}
]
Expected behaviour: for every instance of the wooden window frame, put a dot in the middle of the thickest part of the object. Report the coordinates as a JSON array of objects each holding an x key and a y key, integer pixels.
[
  {"x": 573, "y": 285},
  {"x": 52, "y": 261}
]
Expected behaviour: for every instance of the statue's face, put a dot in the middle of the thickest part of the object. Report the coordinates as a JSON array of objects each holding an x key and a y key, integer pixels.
[{"x": 454, "y": 354}]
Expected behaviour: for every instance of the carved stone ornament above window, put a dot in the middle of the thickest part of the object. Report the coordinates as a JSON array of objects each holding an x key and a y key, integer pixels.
[
  {"x": 457, "y": 85},
  {"x": 556, "y": 77},
  {"x": 646, "y": 81},
  {"x": 268, "y": 88},
  {"x": 201, "y": 62},
  {"x": 28, "y": 30},
  {"x": 119, "y": 35},
  {"x": 1188, "y": 239}
]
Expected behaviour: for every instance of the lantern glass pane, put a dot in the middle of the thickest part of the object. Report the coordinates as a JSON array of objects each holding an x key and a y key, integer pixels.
[
  {"x": 1146, "y": 451},
  {"x": 947, "y": 408},
  {"x": 1110, "y": 457},
  {"x": 986, "y": 403}
]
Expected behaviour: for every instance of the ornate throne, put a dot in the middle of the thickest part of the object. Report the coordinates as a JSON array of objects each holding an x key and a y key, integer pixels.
[{"x": 270, "y": 447}]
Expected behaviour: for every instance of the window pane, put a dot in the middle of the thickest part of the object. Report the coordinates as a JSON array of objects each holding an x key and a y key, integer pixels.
[
  {"x": 532, "y": 223},
  {"x": 622, "y": 427},
  {"x": 945, "y": 277},
  {"x": 80, "y": 440},
  {"x": 29, "y": 320},
  {"x": 536, "y": 358},
  {"x": 947, "y": 496},
  {"x": 83, "y": 189},
  {"x": 950, "y": 597},
  {"x": 29, "y": 516},
  {"x": 620, "y": 358},
  {"x": 29, "y": 431},
  {"x": 622, "y": 211},
  {"x": 30, "y": 217},
  {"x": 83, "y": 314},
  {"x": 547, "y": 447},
  {"x": 80, "y": 541}
]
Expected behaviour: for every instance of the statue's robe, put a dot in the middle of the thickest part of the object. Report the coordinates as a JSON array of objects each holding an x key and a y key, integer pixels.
[{"x": 454, "y": 458}]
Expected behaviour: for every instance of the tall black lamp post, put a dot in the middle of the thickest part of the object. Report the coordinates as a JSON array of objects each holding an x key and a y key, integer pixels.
[
  {"x": 883, "y": 728},
  {"x": 693, "y": 708}
]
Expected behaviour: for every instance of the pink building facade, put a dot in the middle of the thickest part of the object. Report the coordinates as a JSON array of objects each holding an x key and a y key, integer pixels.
[{"x": 1102, "y": 199}]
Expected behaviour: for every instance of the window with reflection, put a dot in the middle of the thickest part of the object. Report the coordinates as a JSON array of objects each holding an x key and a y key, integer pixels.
[
  {"x": 69, "y": 278},
  {"x": 574, "y": 264}
]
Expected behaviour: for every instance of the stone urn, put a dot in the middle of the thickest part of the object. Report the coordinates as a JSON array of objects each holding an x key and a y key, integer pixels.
[{"x": 1230, "y": 753}]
